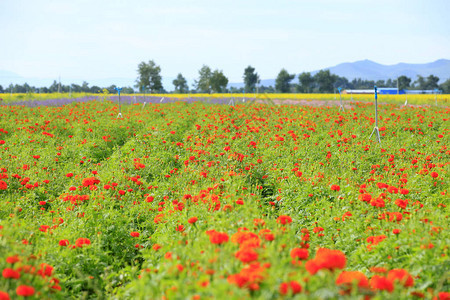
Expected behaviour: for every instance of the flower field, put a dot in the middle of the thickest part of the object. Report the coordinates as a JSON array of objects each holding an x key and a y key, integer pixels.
[{"x": 193, "y": 200}]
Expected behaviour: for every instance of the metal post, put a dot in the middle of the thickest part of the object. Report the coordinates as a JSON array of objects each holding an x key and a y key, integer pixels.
[
  {"x": 435, "y": 96},
  {"x": 120, "y": 107},
  {"x": 376, "y": 118},
  {"x": 340, "y": 100}
]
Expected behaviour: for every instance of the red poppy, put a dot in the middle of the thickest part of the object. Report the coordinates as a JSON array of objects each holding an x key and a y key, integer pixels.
[
  {"x": 10, "y": 273},
  {"x": 217, "y": 237},
  {"x": 192, "y": 220},
  {"x": 4, "y": 295},
  {"x": 284, "y": 220},
  {"x": 402, "y": 276},
  {"x": 335, "y": 187},
  {"x": 381, "y": 283},
  {"x": 135, "y": 234},
  {"x": 299, "y": 253},
  {"x": 80, "y": 242},
  {"x": 246, "y": 255},
  {"x": 3, "y": 185},
  {"x": 326, "y": 259},
  {"x": 25, "y": 290},
  {"x": 64, "y": 243}
]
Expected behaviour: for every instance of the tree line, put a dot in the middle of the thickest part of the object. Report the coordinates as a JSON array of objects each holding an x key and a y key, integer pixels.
[
  {"x": 214, "y": 81},
  {"x": 57, "y": 87},
  {"x": 324, "y": 81}
]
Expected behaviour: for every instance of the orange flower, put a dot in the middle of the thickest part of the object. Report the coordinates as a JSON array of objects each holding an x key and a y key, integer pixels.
[{"x": 348, "y": 277}]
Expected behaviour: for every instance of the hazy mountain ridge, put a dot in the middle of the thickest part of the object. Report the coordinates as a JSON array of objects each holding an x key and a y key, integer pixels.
[{"x": 370, "y": 70}]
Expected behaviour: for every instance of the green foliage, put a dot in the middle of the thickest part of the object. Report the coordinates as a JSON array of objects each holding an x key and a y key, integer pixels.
[
  {"x": 282, "y": 83},
  {"x": 251, "y": 79},
  {"x": 306, "y": 82},
  {"x": 237, "y": 169},
  {"x": 180, "y": 84},
  {"x": 203, "y": 84},
  {"x": 325, "y": 80},
  {"x": 218, "y": 82},
  {"x": 403, "y": 82},
  {"x": 149, "y": 77}
]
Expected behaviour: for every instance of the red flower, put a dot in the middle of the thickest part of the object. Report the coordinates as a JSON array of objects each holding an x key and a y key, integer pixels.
[
  {"x": 434, "y": 175},
  {"x": 326, "y": 259},
  {"x": 10, "y": 273},
  {"x": 25, "y": 290},
  {"x": 381, "y": 283},
  {"x": 284, "y": 220},
  {"x": 69, "y": 175},
  {"x": 299, "y": 253},
  {"x": 246, "y": 255},
  {"x": 217, "y": 237},
  {"x": 192, "y": 220},
  {"x": 294, "y": 286},
  {"x": 4, "y": 295},
  {"x": 335, "y": 187},
  {"x": 80, "y": 242},
  {"x": 3, "y": 185},
  {"x": 46, "y": 270},
  {"x": 64, "y": 243},
  {"x": 401, "y": 275},
  {"x": 135, "y": 234},
  {"x": 12, "y": 259},
  {"x": 396, "y": 231}
]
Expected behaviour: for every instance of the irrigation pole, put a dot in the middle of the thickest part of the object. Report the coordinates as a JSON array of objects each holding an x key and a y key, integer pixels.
[
  {"x": 375, "y": 130},
  {"x": 435, "y": 96},
  {"x": 120, "y": 107}
]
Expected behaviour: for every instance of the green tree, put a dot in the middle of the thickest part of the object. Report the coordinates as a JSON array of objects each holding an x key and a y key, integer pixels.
[
  {"x": 282, "y": 83},
  {"x": 445, "y": 87},
  {"x": 420, "y": 83},
  {"x": 1, "y": 89},
  {"x": 432, "y": 82},
  {"x": 251, "y": 78},
  {"x": 84, "y": 87},
  {"x": 203, "y": 84},
  {"x": 149, "y": 77},
  {"x": 54, "y": 87},
  {"x": 403, "y": 82},
  {"x": 180, "y": 84},
  {"x": 305, "y": 81},
  {"x": 325, "y": 80},
  {"x": 218, "y": 81}
]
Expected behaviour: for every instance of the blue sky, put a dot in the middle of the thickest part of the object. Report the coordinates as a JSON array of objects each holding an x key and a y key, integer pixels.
[{"x": 88, "y": 39}]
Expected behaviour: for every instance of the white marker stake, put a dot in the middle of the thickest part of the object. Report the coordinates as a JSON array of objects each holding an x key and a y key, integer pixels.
[{"x": 340, "y": 100}]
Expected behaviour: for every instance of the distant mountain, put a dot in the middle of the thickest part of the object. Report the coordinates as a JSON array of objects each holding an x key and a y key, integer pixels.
[
  {"x": 370, "y": 70},
  {"x": 367, "y": 69}
]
